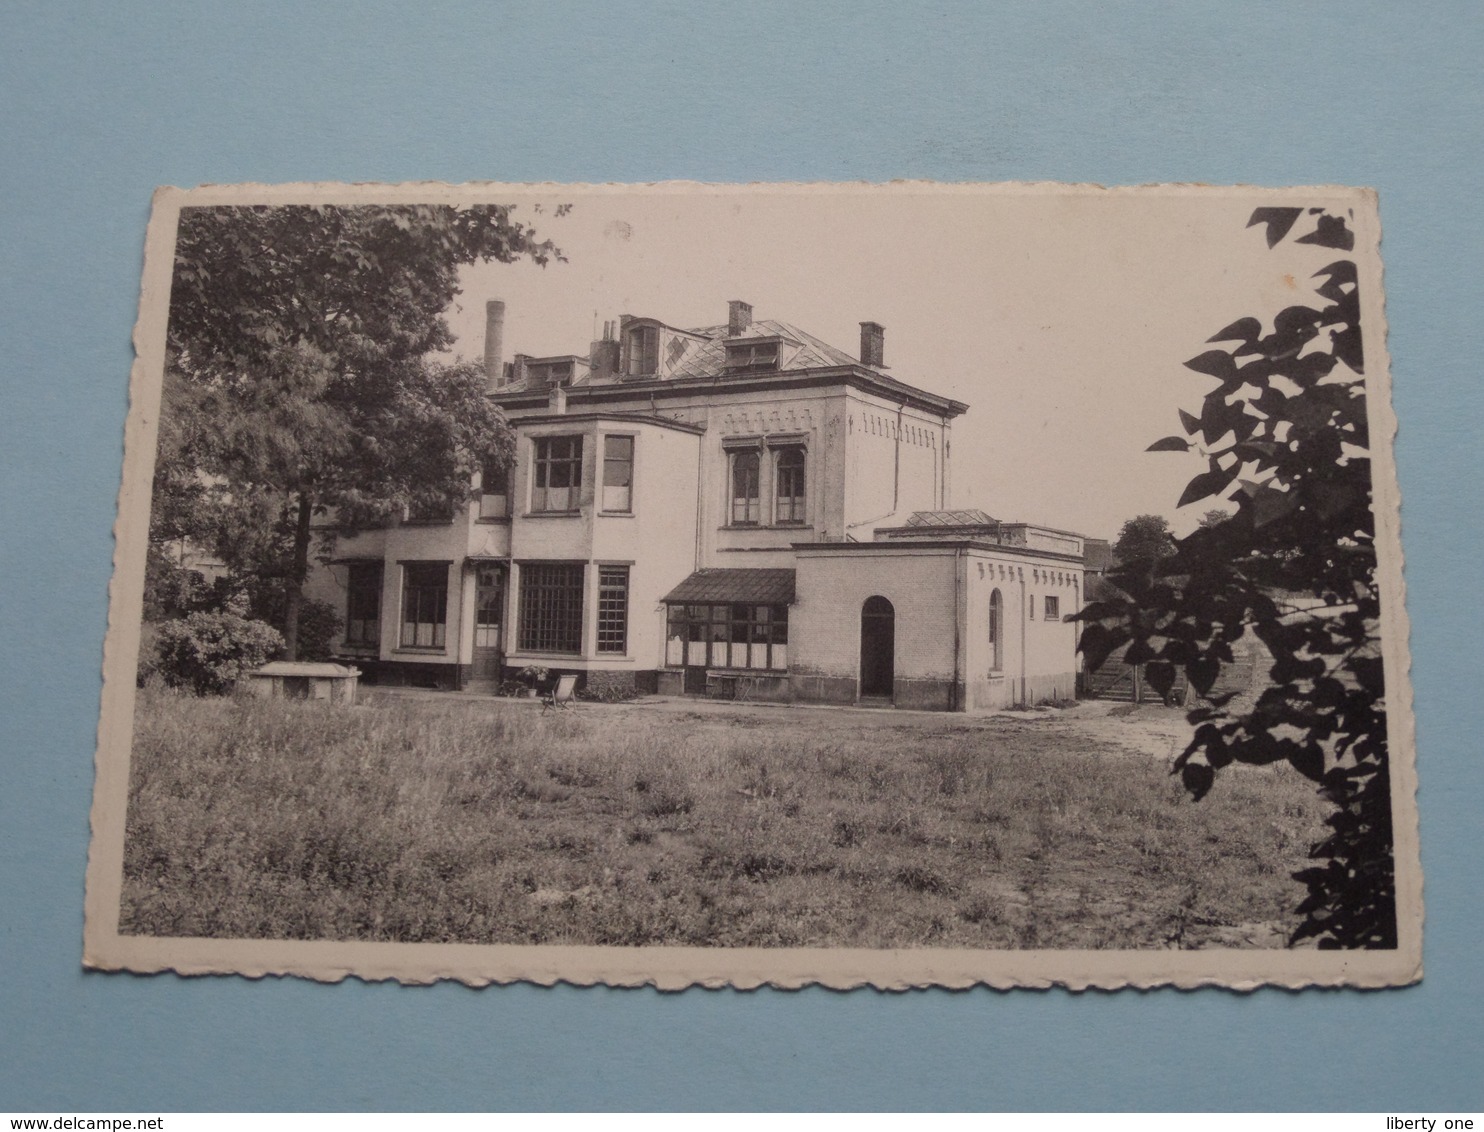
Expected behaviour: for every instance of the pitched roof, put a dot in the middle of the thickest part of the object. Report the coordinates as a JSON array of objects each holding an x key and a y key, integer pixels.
[
  {"x": 951, "y": 519},
  {"x": 748, "y": 586},
  {"x": 801, "y": 350}
]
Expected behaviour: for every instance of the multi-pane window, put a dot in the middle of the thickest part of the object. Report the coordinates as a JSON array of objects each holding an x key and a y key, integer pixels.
[
  {"x": 644, "y": 350},
  {"x": 489, "y": 606},
  {"x": 789, "y": 482},
  {"x": 1053, "y": 608},
  {"x": 551, "y": 607},
  {"x": 557, "y": 478},
  {"x": 494, "y": 491},
  {"x": 363, "y": 604},
  {"x": 424, "y": 604},
  {"x": 746, "y": 494},
  {"x": 996, "y": 631},
  {"x": 618, "y": 473},
  {"x": 752, "y": 357},
  {"x": 613, "y": 609},
  {"x": 728, "y": 636}
]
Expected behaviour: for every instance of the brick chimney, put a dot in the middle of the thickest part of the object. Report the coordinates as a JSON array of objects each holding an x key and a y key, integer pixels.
[
  {"x": 739, "y": 317},
  {"x": 873, "y": 344},
  {"x": 603, "y": 355},
  {"x": 494, "y": 336}
]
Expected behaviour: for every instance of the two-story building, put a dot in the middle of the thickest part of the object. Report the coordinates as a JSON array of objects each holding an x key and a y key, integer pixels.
[{"x": 739, "y": 508}]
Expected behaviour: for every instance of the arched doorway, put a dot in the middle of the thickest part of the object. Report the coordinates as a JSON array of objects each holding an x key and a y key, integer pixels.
[{"x": 878, "y": 647}]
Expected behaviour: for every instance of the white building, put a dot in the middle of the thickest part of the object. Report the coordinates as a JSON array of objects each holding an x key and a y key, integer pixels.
[{"x": 738, "y": 508}]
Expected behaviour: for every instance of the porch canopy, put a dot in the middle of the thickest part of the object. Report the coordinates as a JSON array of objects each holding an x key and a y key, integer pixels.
[
  {"x": 741, "y": 585},
  {"x": 730, "y": 618}
]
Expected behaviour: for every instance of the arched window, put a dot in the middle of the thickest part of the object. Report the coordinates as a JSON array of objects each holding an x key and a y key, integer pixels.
[
  {"x": 996, "y": 631},
  {"x": 746, "y": 500},
  {"x": 788, "y": 478}
]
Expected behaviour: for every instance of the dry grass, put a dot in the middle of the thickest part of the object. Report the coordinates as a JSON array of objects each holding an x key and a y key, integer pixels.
[{"x": 410, "y": 820}]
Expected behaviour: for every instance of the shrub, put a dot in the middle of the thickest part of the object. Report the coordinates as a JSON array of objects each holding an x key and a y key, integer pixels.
[
  {"x": 319, "y": 630},
  {"x": 207, "y": 652}
]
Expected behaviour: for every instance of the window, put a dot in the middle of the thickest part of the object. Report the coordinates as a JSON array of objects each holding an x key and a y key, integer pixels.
[
  {"x": 489, "y": 605},
  {"x": 494, "y": 491},
  {"x": 558, "y": 473},
  {"x": 551, "y": 607},
  {"x": 644, "y": 350},
  {"x": 618, "y": 473},
  {"x": 613, "y": 609},
  {"x": 752, "y": 357},
  {"x": 789, "y": 479},
  {"x": 1030, "y": 606},
  {"x": 996, "y": 631},
  {"x": 727, "y": 636},
  {"x": 548, "y": 373},
  {"x": 1053, "y": 608},
  {"x": 746, "y": 496},
  {"x": 424, "y": 604},
  {"x": 363, "y": 604}
]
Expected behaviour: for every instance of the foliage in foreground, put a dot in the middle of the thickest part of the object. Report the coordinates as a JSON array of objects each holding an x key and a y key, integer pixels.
[
  {"x": 299, "y": 378},
  {"x": 207, "y": 653},
  {"x": 1286, "y": 437},
  {"x": 421, "y": 821}
]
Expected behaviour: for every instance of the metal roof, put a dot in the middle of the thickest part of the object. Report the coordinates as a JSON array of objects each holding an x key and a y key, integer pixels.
[
  {"x": 745, "y": 586},
  {"x": 951, "y": 519},
  {"x": 800, "y": 350}
]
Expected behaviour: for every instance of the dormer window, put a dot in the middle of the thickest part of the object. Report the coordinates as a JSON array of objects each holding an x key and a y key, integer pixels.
[
  {"x": 643, "y": 346},
  {"x": 756, "y": 356},
  {"x": 549, "y": 373}
]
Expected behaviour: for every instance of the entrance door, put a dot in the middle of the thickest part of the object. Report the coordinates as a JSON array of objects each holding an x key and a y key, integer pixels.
[
  {"x": 878, "y": 647},
  {"x": 489, "y": 615}
]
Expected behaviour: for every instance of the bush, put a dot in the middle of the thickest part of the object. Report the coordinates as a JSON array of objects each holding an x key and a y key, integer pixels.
[
  {"x": 319, "y": 630},
  {"x": 207, "y": 652}
]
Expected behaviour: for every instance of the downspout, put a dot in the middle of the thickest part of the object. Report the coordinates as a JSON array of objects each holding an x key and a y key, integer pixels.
[
  {"x": 458, "y": 630},
  {"x": 700, "y": 488},
  {"x": 1023, "y": 702},
  {"x": 896, "y": 471},
  {"x": 954, "y": 700},
  {"x": 942, "y": 463}
]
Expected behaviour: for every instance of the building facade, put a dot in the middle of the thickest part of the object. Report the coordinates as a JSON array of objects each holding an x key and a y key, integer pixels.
[{"x": 737, "y": 509}]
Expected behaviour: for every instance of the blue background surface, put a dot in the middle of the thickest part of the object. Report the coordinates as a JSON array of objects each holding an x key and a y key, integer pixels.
[{"x": 102, "y": 102}]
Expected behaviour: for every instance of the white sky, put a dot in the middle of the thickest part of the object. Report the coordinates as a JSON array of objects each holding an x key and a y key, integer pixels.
[{"x": 1062, "y": 319}]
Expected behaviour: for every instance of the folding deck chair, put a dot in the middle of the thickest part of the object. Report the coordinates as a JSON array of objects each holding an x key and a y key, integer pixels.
[{"x": 561, "y": 695}]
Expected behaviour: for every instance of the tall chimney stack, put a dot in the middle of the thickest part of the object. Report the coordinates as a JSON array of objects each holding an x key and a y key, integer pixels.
[
  {"x": 494, "y": 335},
  {"x": 603, "y": 356},
  {"x": 873, "y": 344},
  {"x": 739, "y": 317}
]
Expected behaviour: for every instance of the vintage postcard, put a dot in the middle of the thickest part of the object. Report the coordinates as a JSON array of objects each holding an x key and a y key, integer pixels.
[{"x": 895, "y": 585}]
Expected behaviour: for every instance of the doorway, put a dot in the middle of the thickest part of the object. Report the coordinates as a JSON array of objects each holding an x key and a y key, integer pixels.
[
  {"x": 489, "y": 616},
  {"x": 878, "y": 648}
]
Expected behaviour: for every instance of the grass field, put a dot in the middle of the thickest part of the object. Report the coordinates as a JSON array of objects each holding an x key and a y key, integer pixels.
[{"x": 453, "y": 819}]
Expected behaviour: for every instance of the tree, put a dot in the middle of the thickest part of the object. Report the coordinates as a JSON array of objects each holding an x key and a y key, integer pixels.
[
  {"x": 1215, "y": 517},
  {"x": 1286, "y": 440},
  {"x": 1144, "y": 539},
  {"x": 298, "y": 376}
]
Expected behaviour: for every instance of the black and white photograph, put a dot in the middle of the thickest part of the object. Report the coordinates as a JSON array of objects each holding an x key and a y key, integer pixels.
[{"x": 894, "y": 585}]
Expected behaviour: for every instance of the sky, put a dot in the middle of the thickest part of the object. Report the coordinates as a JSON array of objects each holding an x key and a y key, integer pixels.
[{"x": 1062, "y": 318}]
